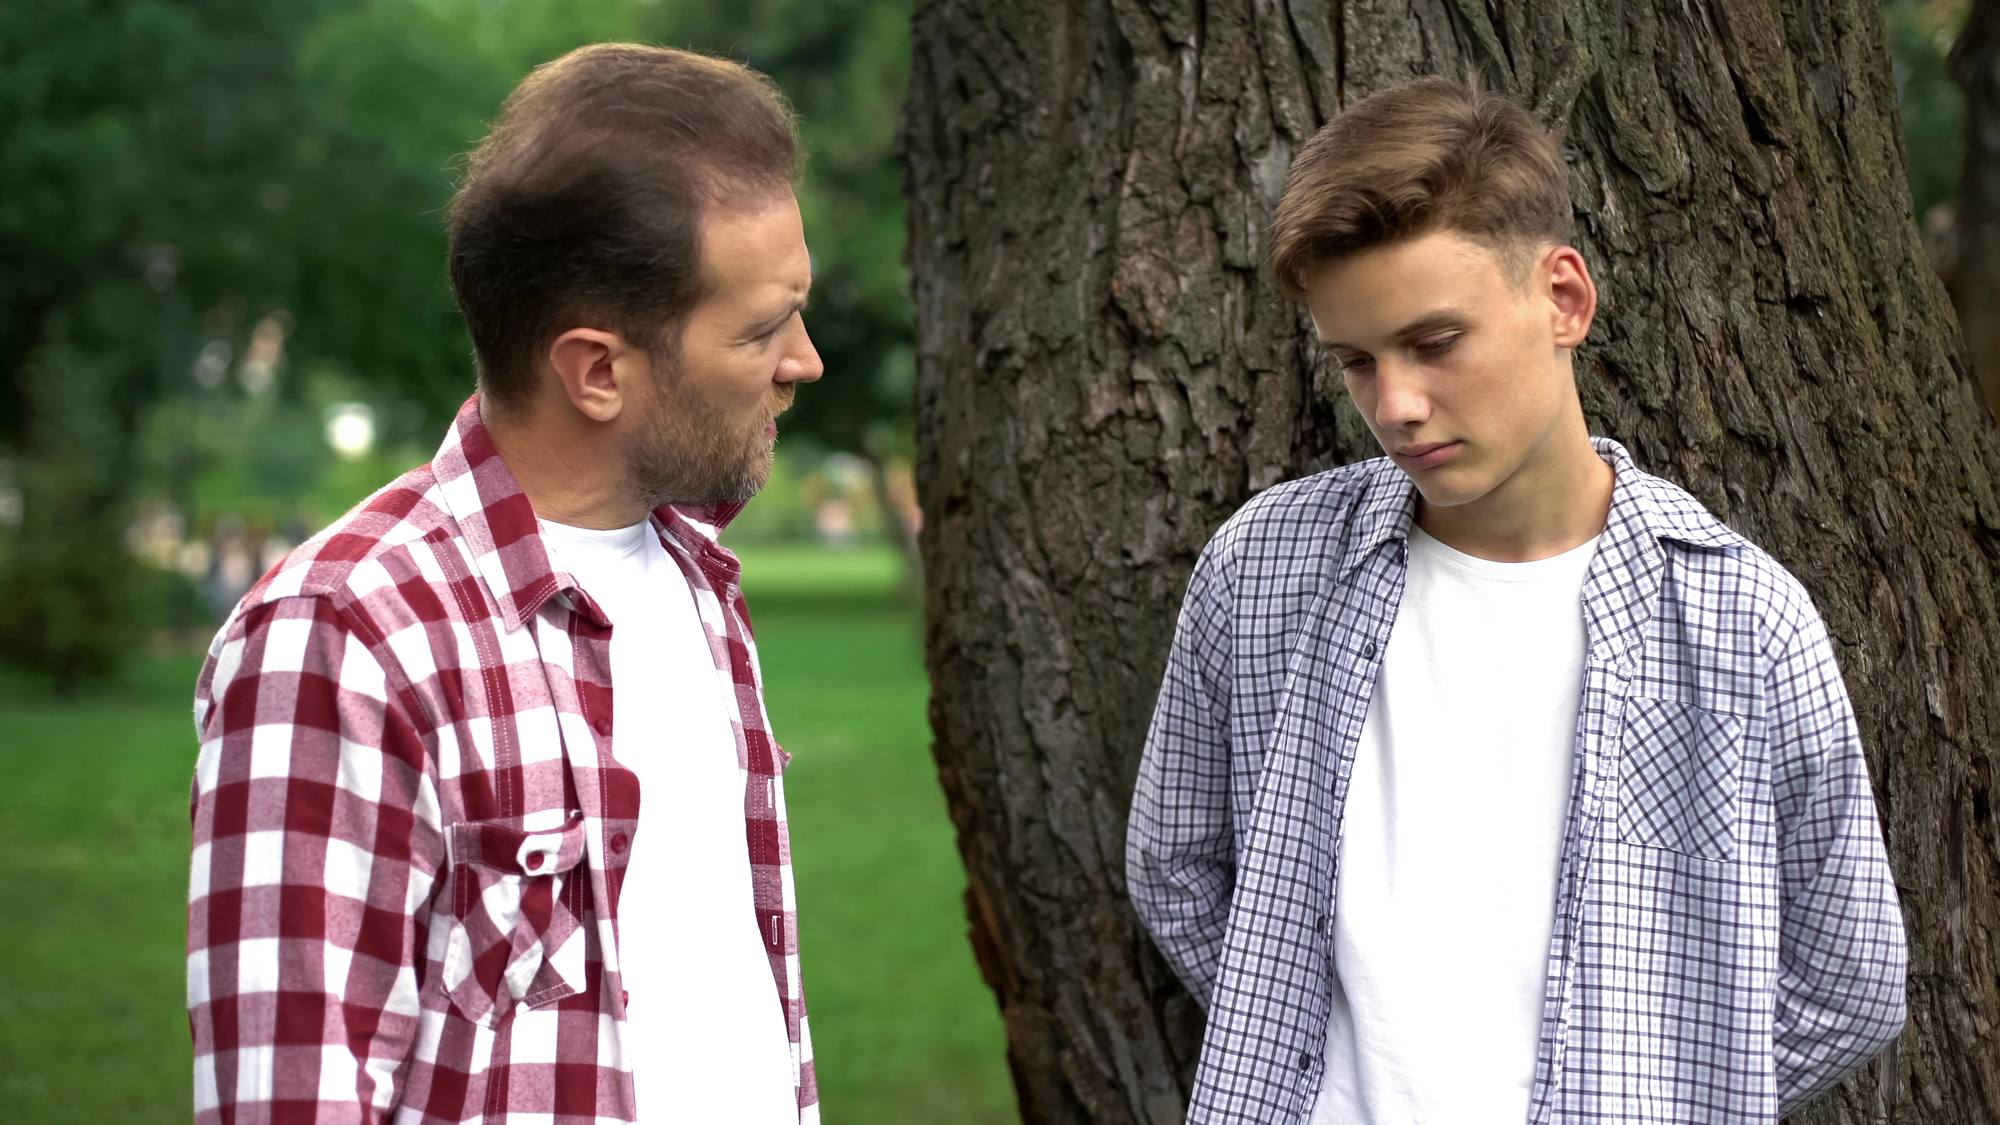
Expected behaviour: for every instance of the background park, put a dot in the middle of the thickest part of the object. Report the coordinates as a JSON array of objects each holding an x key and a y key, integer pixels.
[{"x": 224, "y": 319}]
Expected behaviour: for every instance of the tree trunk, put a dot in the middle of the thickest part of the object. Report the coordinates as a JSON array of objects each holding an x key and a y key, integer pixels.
[
  {"x": 1105, "y": 374},
  {"x": 1975, "y": 62}
]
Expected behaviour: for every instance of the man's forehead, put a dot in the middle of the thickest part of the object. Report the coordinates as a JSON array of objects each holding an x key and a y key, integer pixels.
[{"x": 756, "y": 246}]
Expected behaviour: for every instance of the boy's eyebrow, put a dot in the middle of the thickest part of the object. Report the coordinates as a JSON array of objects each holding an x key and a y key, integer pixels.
[{"x": 1429, "y": 322}]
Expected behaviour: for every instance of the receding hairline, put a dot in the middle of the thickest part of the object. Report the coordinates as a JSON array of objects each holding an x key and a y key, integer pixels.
[{"x": 728, "y": 141}]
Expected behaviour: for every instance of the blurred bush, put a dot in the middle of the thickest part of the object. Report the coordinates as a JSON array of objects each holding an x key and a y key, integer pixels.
[{"x": 65, "y": 587}]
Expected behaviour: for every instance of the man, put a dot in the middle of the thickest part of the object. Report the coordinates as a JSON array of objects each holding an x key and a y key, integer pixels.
[
  {"x": 1496, "y": 780},
  {"x": 480, "y": 761}
]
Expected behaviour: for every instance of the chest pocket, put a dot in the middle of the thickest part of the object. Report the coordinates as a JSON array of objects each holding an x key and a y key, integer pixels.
[
  {"x": 514, "y": 934},
  {"x": 1682, "y": 772}
]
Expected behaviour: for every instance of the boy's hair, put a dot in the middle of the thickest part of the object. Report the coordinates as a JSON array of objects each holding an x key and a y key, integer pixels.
[
  {"x": 583, "y": 204},
  {"x": 1430, "y": 154}
]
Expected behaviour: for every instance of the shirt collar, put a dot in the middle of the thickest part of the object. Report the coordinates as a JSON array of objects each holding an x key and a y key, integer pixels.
[
  {"x": 498, "y": 523},
  {"x": 1643, "y": 507}
]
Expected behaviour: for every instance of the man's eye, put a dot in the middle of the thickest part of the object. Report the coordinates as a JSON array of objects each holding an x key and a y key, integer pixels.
[
  {"x": 1354, "y": 365},
  {"x": 1437, "y": 345}
]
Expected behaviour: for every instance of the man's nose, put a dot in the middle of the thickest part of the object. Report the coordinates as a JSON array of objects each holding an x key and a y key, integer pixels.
[{"x": 801, "y": 363}]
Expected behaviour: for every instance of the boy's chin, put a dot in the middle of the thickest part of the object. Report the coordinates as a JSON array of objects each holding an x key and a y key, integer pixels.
[{"x": 1453, "y": 486}]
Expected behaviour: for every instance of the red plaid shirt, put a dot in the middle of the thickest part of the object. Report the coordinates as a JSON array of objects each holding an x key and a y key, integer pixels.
[{"x": 409, "y": 828}]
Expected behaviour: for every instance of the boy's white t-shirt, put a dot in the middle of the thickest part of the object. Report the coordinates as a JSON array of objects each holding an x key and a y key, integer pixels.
[
  {"x": 1450, "y": 842},
  {"x": 705, "y": 1032}
]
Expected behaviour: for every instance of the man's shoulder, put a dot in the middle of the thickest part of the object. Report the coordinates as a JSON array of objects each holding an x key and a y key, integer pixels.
[{"x": 364, "y": 550}]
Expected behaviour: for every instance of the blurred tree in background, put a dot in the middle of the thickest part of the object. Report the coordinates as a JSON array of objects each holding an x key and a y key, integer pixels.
[{"x": 223, "y": 308}]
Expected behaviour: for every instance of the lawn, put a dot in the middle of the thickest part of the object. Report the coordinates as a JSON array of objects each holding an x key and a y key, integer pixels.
[{"x": 93, "y": 797}]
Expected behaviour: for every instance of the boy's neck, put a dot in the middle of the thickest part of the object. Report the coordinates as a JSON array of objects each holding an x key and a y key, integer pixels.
[{"x": 1557, "y": 501}]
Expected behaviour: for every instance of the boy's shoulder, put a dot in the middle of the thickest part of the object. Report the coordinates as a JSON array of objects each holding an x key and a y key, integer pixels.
[
  {"x": 1714, "y": 565},
  {"x": 1318, "y": 513},
  {"x": 1303, "y": 526}
]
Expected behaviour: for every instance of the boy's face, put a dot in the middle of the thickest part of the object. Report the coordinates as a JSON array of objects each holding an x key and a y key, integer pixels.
[{"x": 1460, "y": 367}]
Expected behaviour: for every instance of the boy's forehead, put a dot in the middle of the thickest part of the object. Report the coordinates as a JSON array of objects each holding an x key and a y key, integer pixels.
[{"x": 1403, "y": 286}]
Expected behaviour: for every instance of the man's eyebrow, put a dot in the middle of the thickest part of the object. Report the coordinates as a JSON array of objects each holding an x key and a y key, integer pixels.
[
  {"x": 798, "y": 305},
  {"x": 1429, "y": 322}
]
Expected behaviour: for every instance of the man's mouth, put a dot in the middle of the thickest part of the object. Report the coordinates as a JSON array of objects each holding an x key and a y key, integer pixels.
[
  {"x": 1426, "y": 455},
  {"x": 784, "y": 403}
]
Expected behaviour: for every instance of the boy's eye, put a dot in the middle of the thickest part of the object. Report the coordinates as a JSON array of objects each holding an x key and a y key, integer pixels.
[
  {"x": 1353, "y": 364},
  {"x": 1437, "y": 345}
]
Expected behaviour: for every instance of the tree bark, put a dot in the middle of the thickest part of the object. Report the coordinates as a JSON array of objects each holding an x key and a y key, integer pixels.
[
  {"x": 1975, "y": 63},
  {"x": 1105, "y": 373}
]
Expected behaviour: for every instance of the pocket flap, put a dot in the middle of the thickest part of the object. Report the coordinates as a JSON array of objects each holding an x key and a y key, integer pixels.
[
  {"x": 499, "y": 846},
  {"x": 512, "y": 937}
]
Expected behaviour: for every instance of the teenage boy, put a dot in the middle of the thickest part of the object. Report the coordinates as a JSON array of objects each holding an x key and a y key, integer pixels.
[
  {"x": 1496, "y": 781},
  {"x": 487, "y": 817}
]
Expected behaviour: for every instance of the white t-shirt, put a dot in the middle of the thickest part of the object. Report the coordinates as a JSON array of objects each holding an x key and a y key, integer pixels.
[
  {"x": 705, "y": 1031},
  {"x": 1450, "y": 842}
]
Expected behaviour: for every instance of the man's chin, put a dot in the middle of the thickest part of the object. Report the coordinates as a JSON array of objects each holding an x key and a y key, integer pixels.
[{"x": 739, "y": 489}]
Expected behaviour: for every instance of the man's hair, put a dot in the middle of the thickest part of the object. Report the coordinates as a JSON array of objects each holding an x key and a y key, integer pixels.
[
  {"x": 1430, "y": 154},
  {"x": 583, "y": 204}
]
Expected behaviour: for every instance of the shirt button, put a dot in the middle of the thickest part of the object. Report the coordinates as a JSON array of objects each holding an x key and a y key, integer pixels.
[
  {"x": 1320, "y": 924},
  {"x": 1368, "y": 651},
  {"x": 619, "y": 843},
  {"x": 1305, "y": 1060},
  {"x": 535, "y": 861},
  {"x": 602, "y": 725}
]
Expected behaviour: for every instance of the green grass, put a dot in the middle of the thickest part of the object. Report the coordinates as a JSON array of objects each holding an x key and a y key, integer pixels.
[
  {"x": 801, "y": 572},
  {"x": 93, "y": 800},
  {"x": 94, "y": 796}
]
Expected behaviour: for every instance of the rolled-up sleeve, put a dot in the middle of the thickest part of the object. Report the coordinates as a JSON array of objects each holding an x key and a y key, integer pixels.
[
  {"x": 1179, "y": 857},
  {"x": 315, "y": 849},
  {"x": 1842, "y": 957}
]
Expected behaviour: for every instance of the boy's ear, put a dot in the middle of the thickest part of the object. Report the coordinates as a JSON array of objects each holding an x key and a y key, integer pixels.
[{"x": 1572, "y": 295}]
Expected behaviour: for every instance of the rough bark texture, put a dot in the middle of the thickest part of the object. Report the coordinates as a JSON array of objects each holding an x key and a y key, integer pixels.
[
  {"x": 1975, "y": 62},
  {"x": 1105, "y": 375}
]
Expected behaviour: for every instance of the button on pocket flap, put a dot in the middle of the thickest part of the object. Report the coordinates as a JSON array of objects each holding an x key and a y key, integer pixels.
[
  {"x": 1681, "y": 774},
  {"x": 504, "y": 847},
  {"x": 510, "y": 925}
]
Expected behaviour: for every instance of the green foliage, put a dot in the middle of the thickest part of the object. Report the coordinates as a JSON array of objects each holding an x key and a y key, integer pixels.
[
  {"x": 173, "y": 174},
  {"x": 1920, "y": 37},
  {"x": 64, "y": 585}
]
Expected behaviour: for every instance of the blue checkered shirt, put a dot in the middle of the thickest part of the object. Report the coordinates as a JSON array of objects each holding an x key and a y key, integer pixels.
[{"x": 1727, "y": 940}]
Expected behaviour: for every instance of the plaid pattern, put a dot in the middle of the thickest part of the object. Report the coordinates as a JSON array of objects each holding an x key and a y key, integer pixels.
[
  {"x": 409, "y": 828},
  {"x": 1728, "y": 941}
]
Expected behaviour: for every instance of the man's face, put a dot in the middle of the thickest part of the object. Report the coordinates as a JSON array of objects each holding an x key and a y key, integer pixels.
[
  {"x": 710, "y": 421},
  {"x": 1460, "y": 368}
]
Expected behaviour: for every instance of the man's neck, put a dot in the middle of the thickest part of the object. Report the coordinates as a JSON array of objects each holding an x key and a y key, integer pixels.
[
  {"x": 572, "y": 471},
  {"x": 1556, "y": 502}
]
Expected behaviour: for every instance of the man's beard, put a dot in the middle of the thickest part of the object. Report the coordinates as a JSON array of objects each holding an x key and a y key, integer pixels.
[{"x": 690, "y": 452}]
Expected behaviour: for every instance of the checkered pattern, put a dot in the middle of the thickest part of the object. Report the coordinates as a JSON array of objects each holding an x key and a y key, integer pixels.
[
  {"x": 1727, "y": 939},
  {"x": 409, "y": 828}
]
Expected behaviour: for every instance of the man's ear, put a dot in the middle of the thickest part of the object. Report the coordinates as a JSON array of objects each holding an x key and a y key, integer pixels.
[
  {"x": 1572, "y": 295},
  {"x": 596, "y": 370}
]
